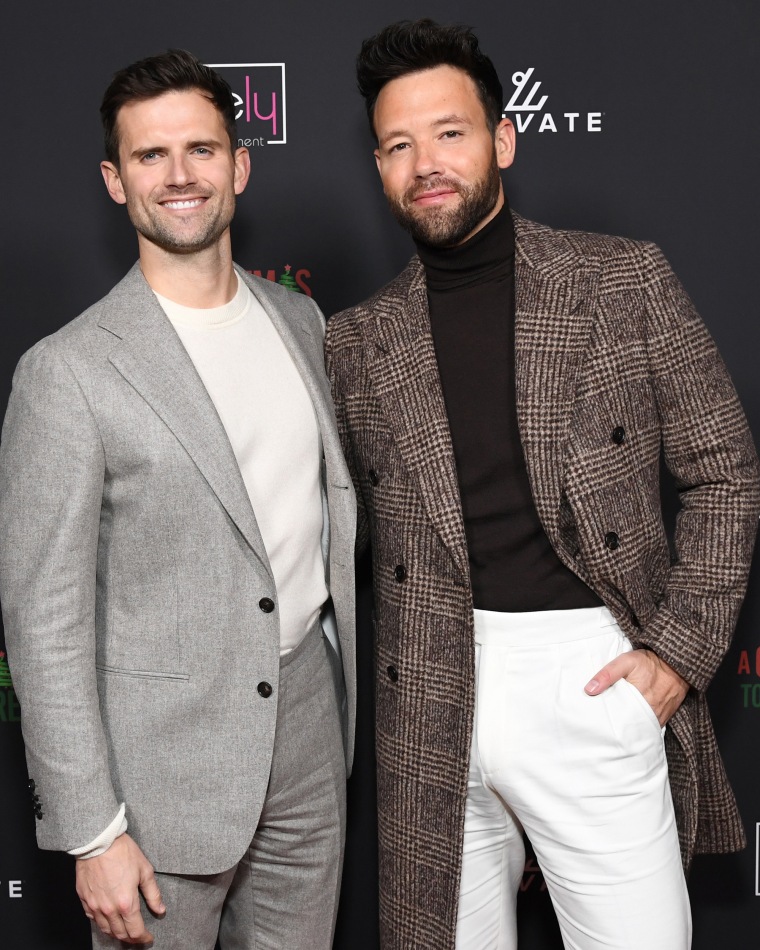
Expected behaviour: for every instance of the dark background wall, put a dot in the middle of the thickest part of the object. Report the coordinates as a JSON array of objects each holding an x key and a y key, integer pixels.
[{"x": 671, "y": 86}]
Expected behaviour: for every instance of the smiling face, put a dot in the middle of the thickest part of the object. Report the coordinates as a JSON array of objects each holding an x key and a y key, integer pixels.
[
  {"x": 177, "y": 174},
  {"x": 437, "y": 159}
]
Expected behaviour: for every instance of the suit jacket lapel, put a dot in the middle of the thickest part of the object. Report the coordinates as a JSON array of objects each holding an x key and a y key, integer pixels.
[
  {"x": 154, "y": 362},
  {"x": 555, "y": 291},
  {"x": 404, "y": 370}
]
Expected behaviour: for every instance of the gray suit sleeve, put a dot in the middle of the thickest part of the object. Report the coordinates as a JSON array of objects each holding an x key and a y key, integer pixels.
[{"x": 52, "y": 469}]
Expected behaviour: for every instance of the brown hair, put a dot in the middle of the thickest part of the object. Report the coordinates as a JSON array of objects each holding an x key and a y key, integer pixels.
[{"x": 172, "y": 71}]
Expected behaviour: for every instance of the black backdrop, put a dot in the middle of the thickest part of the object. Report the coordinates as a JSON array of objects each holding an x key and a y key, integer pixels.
[{"x": 668, "y": 153}]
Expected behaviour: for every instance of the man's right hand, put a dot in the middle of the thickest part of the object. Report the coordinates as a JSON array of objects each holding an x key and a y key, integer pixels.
[{"x": 108, "y": 889}]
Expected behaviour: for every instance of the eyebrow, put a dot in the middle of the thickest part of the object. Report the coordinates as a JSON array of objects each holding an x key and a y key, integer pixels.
[
  {"x": 452, "y": 119},
  {"x": 146, "y": 150},
  {"x": 209, "y": 143}
]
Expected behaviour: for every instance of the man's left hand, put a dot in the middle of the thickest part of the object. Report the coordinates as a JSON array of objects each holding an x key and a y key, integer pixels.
[{"x": 658, "y": 683}]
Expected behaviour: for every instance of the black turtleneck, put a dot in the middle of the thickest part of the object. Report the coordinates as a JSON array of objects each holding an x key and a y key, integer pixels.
[{"x": 471, "y": 292}]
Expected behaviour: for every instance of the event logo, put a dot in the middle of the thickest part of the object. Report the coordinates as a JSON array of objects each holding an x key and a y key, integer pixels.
[
  {"x": 9, "y": 707},
  {"x": 13, "y": 888},
  {"x": 527, "y": 104},
  {"x": 293, "y": 281},
  {"x": 749, "y": 666},
  {"x": 258, "y": 91}
]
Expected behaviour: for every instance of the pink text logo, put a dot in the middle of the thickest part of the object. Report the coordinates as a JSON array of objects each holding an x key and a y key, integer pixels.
[{"x": 258, "y": 91}]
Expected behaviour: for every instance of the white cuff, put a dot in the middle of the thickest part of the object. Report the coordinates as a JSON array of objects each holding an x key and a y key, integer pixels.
[{"x": 105, "y": 839}]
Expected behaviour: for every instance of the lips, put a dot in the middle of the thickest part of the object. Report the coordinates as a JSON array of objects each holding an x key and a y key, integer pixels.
[
  {"x": 433, "y": 197},
  {"x": 182, "y": 204},
  {"x": 436, "y": 192},
  {"x": 433, "y": 193}
]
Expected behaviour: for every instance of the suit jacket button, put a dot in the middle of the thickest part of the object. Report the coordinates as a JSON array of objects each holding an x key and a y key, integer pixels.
[
  {"x": 374, "y": 478},
  {"x": 267, "y": 605},
  {"x": 264, "y": 689},
  {"x": 392, "y": 674},
  {"x": 399, "y": 572},
  {"x": 612, "y": 540},
  {"x": 618, "y": 435},
  {"x": 31, "y": 786}
]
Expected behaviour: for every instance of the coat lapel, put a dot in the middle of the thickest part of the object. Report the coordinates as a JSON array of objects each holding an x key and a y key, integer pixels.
[
  {"x": 154, "y": 362},
  {"x": 555, "y": 299},
  {"x": 404, "y": 371}
]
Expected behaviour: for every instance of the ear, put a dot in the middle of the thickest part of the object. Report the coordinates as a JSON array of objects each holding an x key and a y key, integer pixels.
[
  {"x": 242, "y": 159},
  {"x": 376, "y": 153},
  {"x": 112, "y": 178},
  {"x": 504, "y": 141}
]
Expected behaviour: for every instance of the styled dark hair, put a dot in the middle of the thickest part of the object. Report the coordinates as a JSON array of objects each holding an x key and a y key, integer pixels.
[
  {"x": 411, "y": 46},
  {"x": 176, "y": 70}
]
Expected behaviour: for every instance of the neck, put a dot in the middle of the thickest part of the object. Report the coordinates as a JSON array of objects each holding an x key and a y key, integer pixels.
[
  {"x": 200, "y": 279},
  {"x": 485, "y": 256}
]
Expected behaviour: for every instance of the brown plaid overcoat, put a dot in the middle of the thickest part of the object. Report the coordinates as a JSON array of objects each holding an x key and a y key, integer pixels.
[{"x": 605, "y": 337}]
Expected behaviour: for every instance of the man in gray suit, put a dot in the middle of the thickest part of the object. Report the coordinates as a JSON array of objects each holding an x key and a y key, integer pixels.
[{"x": 178, "y": 528}]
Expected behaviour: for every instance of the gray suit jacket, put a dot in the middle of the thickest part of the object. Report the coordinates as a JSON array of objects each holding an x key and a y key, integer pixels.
[{"x": 131, "y": 573}]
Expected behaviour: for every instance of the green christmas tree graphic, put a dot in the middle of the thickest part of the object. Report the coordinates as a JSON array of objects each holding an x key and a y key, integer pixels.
[
  {"x": 5, "y": 673},
  {"x": 287, "y": 280}
]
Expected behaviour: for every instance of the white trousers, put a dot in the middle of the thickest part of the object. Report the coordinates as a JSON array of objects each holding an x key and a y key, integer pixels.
[{"x": 584, "y": 776}]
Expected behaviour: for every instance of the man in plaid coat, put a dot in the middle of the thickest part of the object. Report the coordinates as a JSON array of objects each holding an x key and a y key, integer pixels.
[{"x": 541, "y": 656}]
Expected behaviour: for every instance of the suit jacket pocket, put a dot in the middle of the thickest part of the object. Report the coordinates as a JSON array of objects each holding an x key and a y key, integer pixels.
[{"x": 141, "y": 674}]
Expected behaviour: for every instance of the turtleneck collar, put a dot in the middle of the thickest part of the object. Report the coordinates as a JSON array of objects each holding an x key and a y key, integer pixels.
[{"x": 488, "y": 255}]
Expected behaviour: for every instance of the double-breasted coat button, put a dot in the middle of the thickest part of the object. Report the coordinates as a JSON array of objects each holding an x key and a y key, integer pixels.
[
  {"x": 612, "y": 540},
  {"x": 399, "y": 572},
  {"x": 618, "y": 435},
  {"x": 31, "y": 786},
  {"x": 266, "y": 604},
  {"x": 264, "y": 689},
  {"x": 392, "y": 674},
  {"x": 374, "y": 478}
]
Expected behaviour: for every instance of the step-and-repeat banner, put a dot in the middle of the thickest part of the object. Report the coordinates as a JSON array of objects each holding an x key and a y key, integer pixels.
[{"x": 636, "y": 119}]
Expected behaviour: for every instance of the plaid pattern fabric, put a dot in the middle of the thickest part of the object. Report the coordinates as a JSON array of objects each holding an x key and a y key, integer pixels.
[{"x": 606, "y": 339}]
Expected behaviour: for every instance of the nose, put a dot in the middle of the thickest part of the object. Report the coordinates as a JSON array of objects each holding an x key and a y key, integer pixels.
[
  {"x": 426, "y": 161},
  {"x": 179, "y": 172}
]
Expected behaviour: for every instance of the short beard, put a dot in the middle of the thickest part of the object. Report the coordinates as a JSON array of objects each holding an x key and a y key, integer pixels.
[
  {"x": 175, "y": 242},
  {"x": 443, "y": 227},
  {"x": 168, "y": 241}
]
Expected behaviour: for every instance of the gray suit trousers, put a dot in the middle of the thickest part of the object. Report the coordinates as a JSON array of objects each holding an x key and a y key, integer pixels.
[{"x": 283, "y": 893}]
